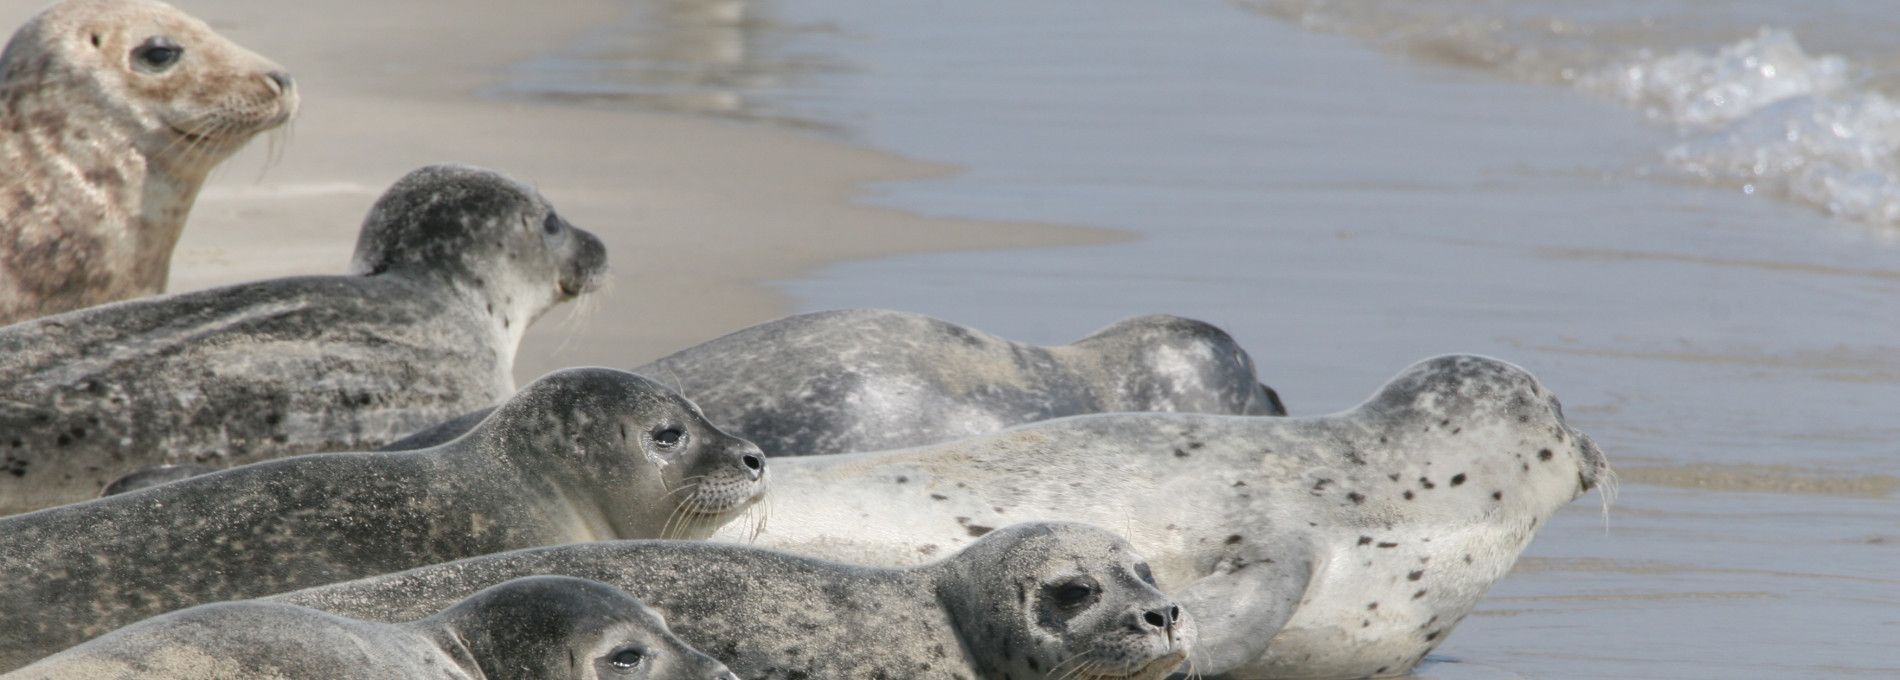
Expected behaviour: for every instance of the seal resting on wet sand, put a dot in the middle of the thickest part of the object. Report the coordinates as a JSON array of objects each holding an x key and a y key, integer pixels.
[
  {"x": 451, "y": 266},
  {"x": 112, "y": 112},
  {"x": 534, "y": 628},
  {"x": 1044, "y": 600},
  {"x": 871, "y": 379},
  {"x": 579, "y": 455},
  {"x": 1362, "y": 537}
]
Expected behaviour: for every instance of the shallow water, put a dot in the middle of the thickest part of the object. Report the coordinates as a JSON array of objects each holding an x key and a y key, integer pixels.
[{"x": 1345, "y": 211}]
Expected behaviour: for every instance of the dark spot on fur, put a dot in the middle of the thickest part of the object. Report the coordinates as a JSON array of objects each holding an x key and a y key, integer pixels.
[
  {"x": 939, "y": 496},
  {"x": 1419, "y": 594},
  {"x": 1372, "y": 606},
  {"x": 1388, "y": 545},
  {"x": 1544, "y": 454},
  {"x": 1497, "y": 495},
  {"x": 1408, "y": 494},
  {"x": 1233, "y": 539},
  {"x": 1363, "y": 540},
  {"x": 1426, "y": 483},
  {"x": 1356, "y": 497},
  {"x": 1458, "y": 479},
  {"x": 1178, "y": 453},
  {"x": 902, "y": 479},
  {"x": 1414, "y": 576}
]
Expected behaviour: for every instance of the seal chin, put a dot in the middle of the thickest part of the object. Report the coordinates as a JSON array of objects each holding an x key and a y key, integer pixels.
[{"x": 1154, "y": 670}]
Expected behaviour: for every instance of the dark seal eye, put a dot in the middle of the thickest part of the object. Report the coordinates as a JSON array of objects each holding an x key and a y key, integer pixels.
[
  {"x": 1144, "y": 573},
  {"x": 551, "y": 225},
  {"x": 669, "y": 436},
  {"x": 1074, "y": 593},
  {"x": 157, "y": 54},
  {"x": 627, "y": 657}
]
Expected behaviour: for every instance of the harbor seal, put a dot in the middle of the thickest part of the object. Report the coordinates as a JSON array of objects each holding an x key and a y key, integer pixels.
[
  {"x": 579, "y": 455},
  {"x": 1048, "y": 600},
  {"x": 451, "y": 266},
  {"x": 112, "y": 112},
  {"x": 1367, "y": 534},
  {"x": 871, "y": 379},
  {"x": 538, "y": 627}
]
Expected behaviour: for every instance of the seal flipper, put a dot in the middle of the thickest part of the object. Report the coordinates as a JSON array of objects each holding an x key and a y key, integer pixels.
[{"x": 1240, "y": 609}]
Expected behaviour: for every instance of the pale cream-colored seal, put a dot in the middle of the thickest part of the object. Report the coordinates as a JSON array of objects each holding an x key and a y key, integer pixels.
[{"x": 112, "y": 112}]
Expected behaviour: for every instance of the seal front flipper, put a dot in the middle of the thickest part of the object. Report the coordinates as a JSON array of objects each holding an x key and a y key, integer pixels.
[{"x": 1242, "y": 606}]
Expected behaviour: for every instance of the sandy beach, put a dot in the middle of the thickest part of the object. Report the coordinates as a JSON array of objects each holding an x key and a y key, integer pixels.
[{"x": 697, "y": 214}]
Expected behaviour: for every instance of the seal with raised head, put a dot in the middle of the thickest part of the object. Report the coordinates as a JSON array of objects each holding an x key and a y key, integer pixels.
[
  {"x": 580, "y": 455},
  {"x": 1367, "y": 534},
  {"x": 1041, "y": 600},
  {"x": 532, "y": 628},
  {"x": 870, "y": 379},
  {"x": 112, "y": 112},
  {"x": 451, "y": 266}
]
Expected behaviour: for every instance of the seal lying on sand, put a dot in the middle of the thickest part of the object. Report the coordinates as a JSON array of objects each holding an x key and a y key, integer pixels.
[
  {"x": 869, "y": 379},
  {"x": 540, "y": 628},
  {"x": 1383, "y": 524},
  {"x": 452, "y": 265},
  {"x": 111, "y": 114},
  {"x": 1029, "y": 601},
  {"x": 580, "y": 455}
]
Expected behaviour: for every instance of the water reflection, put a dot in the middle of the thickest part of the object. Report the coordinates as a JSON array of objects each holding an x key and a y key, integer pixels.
[{"x": 732, "y": 58}]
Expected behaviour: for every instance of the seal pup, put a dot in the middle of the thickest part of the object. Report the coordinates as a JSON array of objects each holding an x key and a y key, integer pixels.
[
  {"x": 871, "y": 379},
  {"x": 534, "y": 628},
  {"x": 1044, "y": 600},
  {"x": 451, "y": 266},
  {"x": 580, "y": 455},
  {"x": 1383, "y": 524},
  {"x": 112, "y": 112}
]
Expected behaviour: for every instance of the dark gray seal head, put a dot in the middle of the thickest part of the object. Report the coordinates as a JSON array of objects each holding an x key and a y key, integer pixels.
[
  {"x": 451, "y": 265},
  {"x": 1039, "y": 601},
  {"x": 1416, "y": 501},
  {"x": 532, "y": 628},
  {"x": 579, "y": 455},
  {"x": 112, "y": 112},
  {"x": 868, "y": 379}
]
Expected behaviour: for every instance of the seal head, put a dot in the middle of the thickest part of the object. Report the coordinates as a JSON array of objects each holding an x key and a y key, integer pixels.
[
  {"x": 1084, "y": 605},
  {"x": 1170, "y": 363},
  {"x": 644, "y": 454},
  {"x": 112, "y": 112},
  {"x": 565, "y": 627}
]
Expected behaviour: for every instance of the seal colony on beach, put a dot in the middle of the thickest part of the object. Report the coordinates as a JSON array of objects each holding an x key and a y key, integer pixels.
[
  {"x": 1362, "y": 537},
  {"x": 533, "y": 628},
  {"x": 451, "y": 266},
  {"x": 1046, "y": 600},
  {"x": 112, "y": 112},
  {"x": 872, "y": 379},
  {"x": 580, "y": 455}
]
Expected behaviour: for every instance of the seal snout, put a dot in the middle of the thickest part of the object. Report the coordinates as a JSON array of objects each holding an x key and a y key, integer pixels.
[{"x": 1593, "y": 463}]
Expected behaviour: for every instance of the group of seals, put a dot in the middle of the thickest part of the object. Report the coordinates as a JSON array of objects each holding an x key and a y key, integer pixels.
[
  {"x": 112, "y": 112},
  {"x": 871, "y": 379},
  {"x": 533, "y": 628},
  {"x": 1362, "y": 537},
  {"x": 579, "y": 455},
  {"x": 1026, "y": 602},
  {"x": 451, "y": 266}
]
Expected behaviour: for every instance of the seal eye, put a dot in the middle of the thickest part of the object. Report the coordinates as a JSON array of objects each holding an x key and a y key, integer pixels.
[
  {"x": 627, "y": 657},
  {"x": 1073, "y": 593},
  {"x": 669, "y": 437},
  {"x": 1144, "y": 573},
  {"x": 157, "y": 54},
  {"x": 551, "y": 225}
]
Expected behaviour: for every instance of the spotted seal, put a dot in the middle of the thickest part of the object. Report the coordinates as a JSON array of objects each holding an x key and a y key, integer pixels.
[
  {"x": 871, "y": 379},
  {"x": 579, "y": 455},
  {"x": 538, "y": 627},
  {"x": 112, "y": 112},
  {"x": 451, "y": 266},
  {"x": 1043, "y": 600},
  {"x": 1366, "y": 534}
]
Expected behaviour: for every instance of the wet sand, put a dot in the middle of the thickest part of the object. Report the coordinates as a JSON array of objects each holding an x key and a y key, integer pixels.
[{"x": 697, "y": 214}]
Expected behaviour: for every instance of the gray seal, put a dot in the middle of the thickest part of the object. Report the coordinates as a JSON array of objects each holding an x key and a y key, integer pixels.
[
  {"x": 1362, "y": 537},
  {"x": 579, "y": 455},
  {"x": 1026, "y": 602},
  {"x": 533, "y": 628},
  {"x": 451, "y": 266},
  {"x": 112, "y": 112},
  {"x": 870, "y": 379}
]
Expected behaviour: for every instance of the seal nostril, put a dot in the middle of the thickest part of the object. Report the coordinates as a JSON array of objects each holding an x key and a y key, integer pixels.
[
  {"x": 1174, "y": 615},
  {"x": 281, "y": 78},
  {"x": 1154, "y": 618},
  {"x": 753, "y": 462}
]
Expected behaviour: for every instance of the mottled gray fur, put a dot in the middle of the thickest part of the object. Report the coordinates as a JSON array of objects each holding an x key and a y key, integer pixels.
[
  {"x": 869, "y": 379},
  {"x": 533, "y": 628},
  {"x": 1367, "y": 534},
  {"x": 580, "y": 455},
  {"x": 451, "y": 266},
  {"x": 1031, "y": 601}
]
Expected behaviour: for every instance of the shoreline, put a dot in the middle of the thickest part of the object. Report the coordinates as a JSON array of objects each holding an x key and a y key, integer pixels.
[{"x": 380, "y": 100}]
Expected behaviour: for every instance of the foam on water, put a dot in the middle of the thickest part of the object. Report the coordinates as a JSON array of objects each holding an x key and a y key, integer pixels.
[{"x": 1758, "y": 113}]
